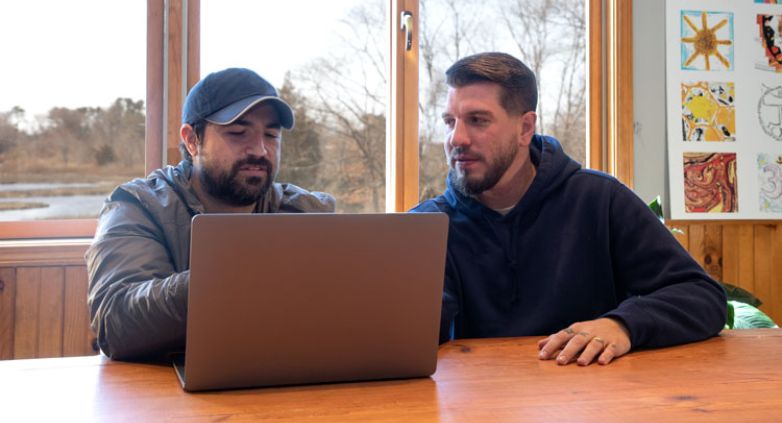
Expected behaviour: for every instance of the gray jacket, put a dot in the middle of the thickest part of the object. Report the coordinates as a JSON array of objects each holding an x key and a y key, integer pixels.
[{"x": 139, "y": 260}]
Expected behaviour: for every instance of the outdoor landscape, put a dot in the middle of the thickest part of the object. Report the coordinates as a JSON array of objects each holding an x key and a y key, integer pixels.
[{"x": 338, "y": 145}]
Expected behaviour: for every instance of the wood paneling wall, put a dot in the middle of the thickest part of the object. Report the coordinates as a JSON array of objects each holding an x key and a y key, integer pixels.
[
  {"x": 43, "y": 302},
  {"x": 745, "y": 254},
  {"x": 43, "y": 287}
]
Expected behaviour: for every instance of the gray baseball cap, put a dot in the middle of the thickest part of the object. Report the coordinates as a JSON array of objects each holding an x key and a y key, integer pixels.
[{"x": 222, "y": 97}]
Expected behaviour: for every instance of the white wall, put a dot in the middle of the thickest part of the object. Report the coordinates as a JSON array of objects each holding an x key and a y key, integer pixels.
[{"x": 651, "y": 167}]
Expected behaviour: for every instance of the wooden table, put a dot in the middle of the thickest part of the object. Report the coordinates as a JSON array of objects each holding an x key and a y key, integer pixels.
[{"x": 735, "y": 377}]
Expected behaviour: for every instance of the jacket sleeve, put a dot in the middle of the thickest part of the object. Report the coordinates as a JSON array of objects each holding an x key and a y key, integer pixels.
[
  {"x": 669, "y": 298},
  {"x": 136, "y": 299}
]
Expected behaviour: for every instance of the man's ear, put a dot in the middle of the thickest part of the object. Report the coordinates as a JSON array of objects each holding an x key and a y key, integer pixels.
[
  {"x": 527, "y": 124},
  {"x": 190, "y": 138}
]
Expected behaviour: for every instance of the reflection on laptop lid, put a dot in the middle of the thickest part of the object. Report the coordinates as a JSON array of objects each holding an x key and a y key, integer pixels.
[{"x": 280, "y": 299}]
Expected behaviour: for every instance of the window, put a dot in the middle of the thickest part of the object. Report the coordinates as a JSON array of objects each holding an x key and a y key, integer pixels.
[
  {"x": 173, "y": 57},
  {"x": 549, "y": 37},
  {"x": 72, "y": 110},
  {"x": 330, "y": 64}
]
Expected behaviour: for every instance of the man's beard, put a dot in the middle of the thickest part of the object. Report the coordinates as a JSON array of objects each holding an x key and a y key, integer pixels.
[
  {"x": 495, "y": 169},
  {"x": 231, "y": 189}
]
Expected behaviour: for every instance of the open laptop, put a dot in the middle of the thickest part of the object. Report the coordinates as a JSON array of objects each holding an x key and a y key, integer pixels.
[{"x": 282, "y": 299}]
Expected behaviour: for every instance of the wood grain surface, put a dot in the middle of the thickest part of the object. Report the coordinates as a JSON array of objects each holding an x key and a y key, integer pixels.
[{"x": 734, "y": 377}]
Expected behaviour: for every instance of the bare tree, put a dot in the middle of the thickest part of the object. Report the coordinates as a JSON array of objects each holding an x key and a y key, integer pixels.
[
  {"x": 449, "y": 30},
  {"x": 346, "y": 86},
  {"x": 550, "y": 37},
  {"x": 347, "y": 93},
  {"x": 302, "y": 155}
]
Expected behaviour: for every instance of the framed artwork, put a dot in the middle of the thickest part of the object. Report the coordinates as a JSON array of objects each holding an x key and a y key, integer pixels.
[{"x": 724, "y": 109}]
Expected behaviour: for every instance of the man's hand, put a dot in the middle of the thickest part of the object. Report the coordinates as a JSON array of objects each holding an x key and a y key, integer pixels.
[{"x": 602, "y": 339}]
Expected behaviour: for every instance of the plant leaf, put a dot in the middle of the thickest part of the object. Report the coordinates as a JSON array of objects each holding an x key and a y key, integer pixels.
[
  {"x": 736, "y": 293},
  {"x": 749, "y": 317},
  {"x": 657, "y": 208},
  {"x": 731, "y": 316}
]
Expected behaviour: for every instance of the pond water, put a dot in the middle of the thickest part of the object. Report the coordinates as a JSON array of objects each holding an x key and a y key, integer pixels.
[{"x": 59, "y": 207}]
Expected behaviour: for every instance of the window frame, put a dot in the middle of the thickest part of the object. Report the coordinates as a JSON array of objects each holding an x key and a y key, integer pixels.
[
  {"x": 173, "y": 57},
  {"x": 610, "y": 82}
]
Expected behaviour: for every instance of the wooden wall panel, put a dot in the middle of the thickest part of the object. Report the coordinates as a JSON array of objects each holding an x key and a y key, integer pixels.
[
  {"x": 764, "y": 270},
  {"x": 43, "y": 299},
  {"x": 77, "y": 336},
  {"x": 7, "y": 296},
  {"x": 50, "y": 312},
  {"x": 746, "y": 254},
  {"x": 28, "y": 293},
  {"x": 43, "y": 305},
  {"x": 705, "y": 245},
  {"x": 746, "y": 260},
  {"x": 682, "y": 235},
  {"x": 774, "y": 301},
  {"x": 712, "y": 249},
  {"x": 730, "y": 250}
]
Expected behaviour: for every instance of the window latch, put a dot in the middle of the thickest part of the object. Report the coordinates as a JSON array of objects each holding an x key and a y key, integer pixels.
[{"x": 407, "y": 26}]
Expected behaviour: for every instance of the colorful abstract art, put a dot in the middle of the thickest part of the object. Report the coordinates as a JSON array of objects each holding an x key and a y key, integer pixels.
[
  {"x": 706, "y": 40},
  {"x": 770, "y": 182},
  {"x": 770, "y": 111},
  {"x": 708, "y": 111},
  {"x": 770, "y": 31},
  {"x": 710, "y": 184},
  {"x": 769, "y": 1}
]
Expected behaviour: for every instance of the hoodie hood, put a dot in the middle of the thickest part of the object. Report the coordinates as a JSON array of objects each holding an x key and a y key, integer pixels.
[{"x": 553, "y": 167}]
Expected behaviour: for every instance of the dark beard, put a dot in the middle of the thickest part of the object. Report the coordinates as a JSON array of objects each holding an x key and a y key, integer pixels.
[
  {"x": 497, "y": 168},
  {"x": 228, "y": 188}
]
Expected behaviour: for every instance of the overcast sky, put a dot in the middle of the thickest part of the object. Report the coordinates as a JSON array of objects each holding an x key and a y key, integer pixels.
[{"x": 58, "y": 53}]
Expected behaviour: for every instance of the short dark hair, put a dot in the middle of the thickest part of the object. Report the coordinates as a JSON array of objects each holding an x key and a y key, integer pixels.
[
  {"x": 517, "y": 81},
  {"x": 199, "y": 128}
]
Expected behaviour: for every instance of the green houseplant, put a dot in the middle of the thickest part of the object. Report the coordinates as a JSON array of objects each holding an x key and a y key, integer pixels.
[{"x": 743, "y": 312}]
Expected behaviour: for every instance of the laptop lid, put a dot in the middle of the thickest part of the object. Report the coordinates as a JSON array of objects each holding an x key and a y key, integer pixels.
[{"x": 280, "y": 299}]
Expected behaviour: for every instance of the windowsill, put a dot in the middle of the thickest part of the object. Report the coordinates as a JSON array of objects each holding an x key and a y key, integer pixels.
[
  {"x": 43, "y": 252},
  {"x": 48, "y": 230}
]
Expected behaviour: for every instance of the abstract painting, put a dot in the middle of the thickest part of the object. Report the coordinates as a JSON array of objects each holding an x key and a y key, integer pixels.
[
  {"x": 770, "y": 37},
  {"x": 710, "y": 184},
  {"x": 770, "y": 182},
  {"x": 769, "y": 1},
  {"x": 708, "y": 111},
  {"x": 706, "y": 40}
]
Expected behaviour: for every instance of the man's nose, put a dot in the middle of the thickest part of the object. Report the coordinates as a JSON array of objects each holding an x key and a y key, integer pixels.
[
  {"x": 257, "y": 147},
  {"x": 458, "y": 136}
]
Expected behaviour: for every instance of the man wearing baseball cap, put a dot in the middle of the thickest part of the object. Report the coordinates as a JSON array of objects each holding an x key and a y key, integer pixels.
[{"x": 138, "y": 263}]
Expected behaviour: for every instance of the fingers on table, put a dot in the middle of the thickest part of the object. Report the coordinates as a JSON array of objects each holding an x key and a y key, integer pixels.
[
  {"x": 576, "y": 344},
  {"x": 593, "y": 349},
  {"x": 549, "y": 346},
  {"x": 609, "y": 353}
]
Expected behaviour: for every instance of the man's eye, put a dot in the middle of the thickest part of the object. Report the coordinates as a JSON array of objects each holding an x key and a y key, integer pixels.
[
  {"x": 236, "y": 133},
  {"x": 478, "y": 121},
  {"x": 448, "y": 122},
  {"x": 273, "y": 135}
]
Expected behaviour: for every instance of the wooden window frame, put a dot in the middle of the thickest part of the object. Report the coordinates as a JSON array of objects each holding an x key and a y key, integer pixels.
[
  {"x": 610, "y": 81},
  {"x": 173, "y": 57}
]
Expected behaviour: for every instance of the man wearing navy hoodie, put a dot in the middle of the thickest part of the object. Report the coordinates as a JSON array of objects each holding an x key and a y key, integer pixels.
[{"x": 538, "y": 245}]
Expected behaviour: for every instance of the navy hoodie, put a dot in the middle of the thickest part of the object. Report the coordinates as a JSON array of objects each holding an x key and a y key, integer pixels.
[{"x": 579, "y": 245}]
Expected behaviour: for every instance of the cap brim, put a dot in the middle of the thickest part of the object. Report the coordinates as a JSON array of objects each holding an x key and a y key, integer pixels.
[{"x": 230, "y": 113}]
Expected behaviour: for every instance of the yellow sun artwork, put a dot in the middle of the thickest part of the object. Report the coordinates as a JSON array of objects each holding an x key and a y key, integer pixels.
[{"x": 709, "y": 44}]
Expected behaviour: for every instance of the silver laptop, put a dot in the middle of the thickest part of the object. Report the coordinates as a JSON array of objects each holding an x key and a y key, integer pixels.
[{"x": 282, "y": 299}]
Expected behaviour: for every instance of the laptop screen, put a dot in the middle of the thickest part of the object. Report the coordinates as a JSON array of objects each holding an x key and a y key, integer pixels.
[{"x": 279, "y": 299}]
